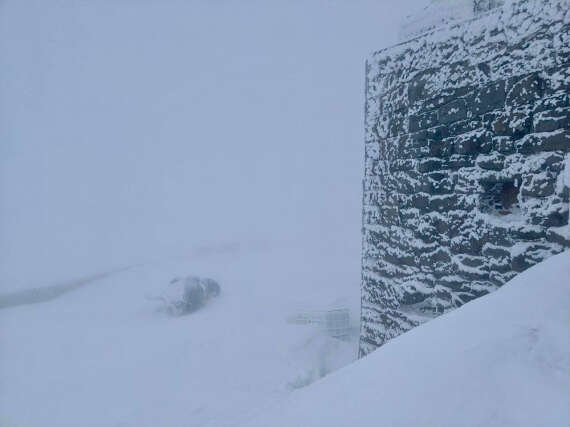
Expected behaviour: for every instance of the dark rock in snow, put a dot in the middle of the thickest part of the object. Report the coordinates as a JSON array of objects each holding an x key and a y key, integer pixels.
[{"x": 188, "y": 294}]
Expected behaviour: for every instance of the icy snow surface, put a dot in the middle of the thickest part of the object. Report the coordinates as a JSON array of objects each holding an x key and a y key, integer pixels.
[
  {"x": 502, "y": 360},
  {"x": 103, "y": 355}
]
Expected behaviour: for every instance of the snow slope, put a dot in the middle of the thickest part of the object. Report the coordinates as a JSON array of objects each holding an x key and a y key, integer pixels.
[
  {"x": 502, "y": 360},
  {"x": 102, "y": 355}
]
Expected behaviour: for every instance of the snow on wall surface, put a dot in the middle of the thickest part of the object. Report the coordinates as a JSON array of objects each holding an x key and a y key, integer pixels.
[
  {"x": 440, "y": 12},
  {"x": 467, "y": 138}
]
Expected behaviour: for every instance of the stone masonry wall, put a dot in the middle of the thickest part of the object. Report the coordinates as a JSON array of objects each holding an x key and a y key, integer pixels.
[{"x": 467, "y": 146}]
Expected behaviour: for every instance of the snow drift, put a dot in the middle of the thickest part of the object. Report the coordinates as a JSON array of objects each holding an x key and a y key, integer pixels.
[
  {"x": 502, "y": 360},
  {"x": 107, "y": 355},
  {"x": 187, "y": 294}
]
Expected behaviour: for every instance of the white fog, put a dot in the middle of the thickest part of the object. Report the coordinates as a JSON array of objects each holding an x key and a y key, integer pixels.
[{"x": 183, "y": 224}]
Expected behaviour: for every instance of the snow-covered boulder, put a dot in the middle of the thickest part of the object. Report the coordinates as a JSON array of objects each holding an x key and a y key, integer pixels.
[{"x": 188, "y": 294}]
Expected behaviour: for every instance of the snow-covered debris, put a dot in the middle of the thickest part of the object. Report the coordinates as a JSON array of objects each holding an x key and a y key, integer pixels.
[
  {"x": 502, "y": 360},
  {"x": 188, "y": 294}
]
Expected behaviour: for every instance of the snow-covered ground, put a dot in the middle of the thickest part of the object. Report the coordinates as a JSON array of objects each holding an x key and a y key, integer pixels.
[
  {"x": 102, "y": 355},
  {"x": 502, "y": 360}
]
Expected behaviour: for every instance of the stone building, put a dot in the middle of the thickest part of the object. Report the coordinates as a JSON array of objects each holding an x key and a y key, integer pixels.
[{"x": 467, "y": 160}]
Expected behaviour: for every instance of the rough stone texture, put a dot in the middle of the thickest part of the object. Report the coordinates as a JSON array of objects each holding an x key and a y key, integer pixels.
[{"x": 466, "y": 152}]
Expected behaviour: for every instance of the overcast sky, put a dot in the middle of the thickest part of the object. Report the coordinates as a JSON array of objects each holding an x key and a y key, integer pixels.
[{"x": 132, "y": 130}]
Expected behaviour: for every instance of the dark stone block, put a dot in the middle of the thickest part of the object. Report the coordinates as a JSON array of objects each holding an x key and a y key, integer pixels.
[
  {"x": 499, "y": 236},
  {"x": 494, "y": 162},
  {"x": 520, "y": 123},
  {"x": 489, "y": 98},
  {"x": 438, "y": 176},
  {"x": 556, "y": 219},
  {"x": 441, "y": 255},
  {"x": 468, "y": 144},
  {"x": 554, "y": 162},
  {"x": 560, "y": 100},
  {"x": 473, "y": 275},
  {"x": 498, "y": 122},
  {"x": 520, "y": 263},
  {"x": 443, "y": 203},
  {"x": 401, "y": 183},
  {"x": 412, "y": 298},
  {"x": 409, "y": 216},
  {"x": 441, "y": 226},
  {"x": 557, "y": 80},
  {"x": 538, "y": 185},
  {"x": 419, "y": 201},
  {"x": 436, "y": 225},
  {"x": 401, "y": 259},
  {"x": 438, "y": 148},
  {"x": 398, "y": 165},
  {"x": 504, "y": 144},
  {"x": 437, "y": 133},
  {"x": 437, "y": 187},
  {"x": 501, "y": 266},
  {"x": 469, "y": 244},
  {"x": 496, "y": 252},
  {"x": 472, "y": 261},
  {"x": 412, "y": 146},
  {"x": 464, "y": 126},
  {"x": 416, "y": 87},
  {"x": 423, "y": 121},
  {"x": 453, "y": 112},
  {"x": 458, "y": 161},
  {"x": 528, "y": 233},
  {"x": 445, "y": 96},
  {"x": 512, "y": 123},
  {"x": 497, "y": 279},
  {"x": 485, "y": 68},
  {"x": 552, "y": 141},
  {"x": 555, "y": 236},
  {"x": 548, "y": 121},
  {"x": 525, "y": 90},
  {"x": 429, "y": 165}
]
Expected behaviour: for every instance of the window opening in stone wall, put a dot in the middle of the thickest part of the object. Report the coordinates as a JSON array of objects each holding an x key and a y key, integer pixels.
[{"x": 500, "y": 198}]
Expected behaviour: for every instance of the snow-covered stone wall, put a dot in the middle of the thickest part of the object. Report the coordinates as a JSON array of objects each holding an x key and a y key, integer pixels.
[
  {"x": 441, "y": 12},
  {"x": 467, "y": 146}
]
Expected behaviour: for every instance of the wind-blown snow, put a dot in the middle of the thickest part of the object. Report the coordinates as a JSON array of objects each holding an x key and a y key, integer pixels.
[
  {"x": 103, "y": 355},
  {"x": 132, "y": 130},
  {"x": 441, "y": 12},
  {"x": 436, "y": 13},
  {"x": 502, "y": 360}
]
